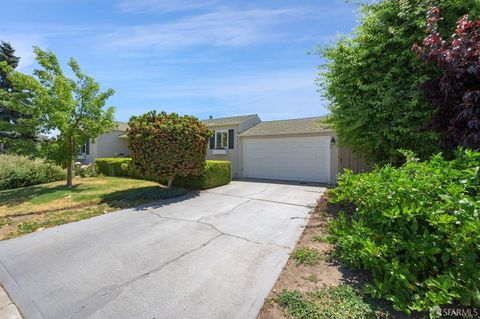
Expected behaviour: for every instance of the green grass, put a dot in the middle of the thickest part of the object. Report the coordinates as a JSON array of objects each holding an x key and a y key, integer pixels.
[
  {"x": 85, "y": 192},
  {"x": 341, "y": 302},
  {"x": 320, "y": 238},
  {"x": 53, "y": 204},
  {"x": 306, "y": 256}
]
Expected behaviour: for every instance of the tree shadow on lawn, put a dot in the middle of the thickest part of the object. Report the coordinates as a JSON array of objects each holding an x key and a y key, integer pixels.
[
  {"x": 149, "y": 197},
  {"x": 17, "y": 196}
]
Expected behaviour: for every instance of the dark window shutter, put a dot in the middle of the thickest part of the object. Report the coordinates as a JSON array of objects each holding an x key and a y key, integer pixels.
[
  {"x": 212, "y": 141},
  {"x": 87, "y": 147},
  {"x": 231, "y": 139}
]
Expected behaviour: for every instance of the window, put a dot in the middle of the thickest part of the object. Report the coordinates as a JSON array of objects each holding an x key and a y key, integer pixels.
[
  {"x": 221, "y": 140},
  {"x": 85, "y": 148}
]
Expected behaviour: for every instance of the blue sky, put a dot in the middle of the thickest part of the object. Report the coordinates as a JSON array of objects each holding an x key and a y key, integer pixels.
[{"x": 198, "y": 57}]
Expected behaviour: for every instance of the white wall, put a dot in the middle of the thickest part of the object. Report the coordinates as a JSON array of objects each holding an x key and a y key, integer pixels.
[
  {"x": 232, "y": 154},
  {"x": 108, "y": 145}
]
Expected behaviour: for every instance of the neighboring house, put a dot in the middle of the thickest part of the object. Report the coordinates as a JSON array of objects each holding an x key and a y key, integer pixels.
[
  {"x": 111, "y": 144},
  {"x": 297, "y": 149}
]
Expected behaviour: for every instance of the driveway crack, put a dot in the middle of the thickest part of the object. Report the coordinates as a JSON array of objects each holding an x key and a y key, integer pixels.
[
  {"x": 262, "y": 200},
  {"x": 228, "y": 212},
  {"x": 104, "y": 296},
  {"x": 199, "y": 221}
]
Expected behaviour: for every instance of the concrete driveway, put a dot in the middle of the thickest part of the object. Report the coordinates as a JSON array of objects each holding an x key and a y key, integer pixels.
[{"x": 212, "y": 254}]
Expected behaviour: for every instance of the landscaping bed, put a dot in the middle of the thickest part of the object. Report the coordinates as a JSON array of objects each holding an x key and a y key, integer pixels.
[
  {"x": 314, "y": 284},
  {"x": 27, "y": 209}
]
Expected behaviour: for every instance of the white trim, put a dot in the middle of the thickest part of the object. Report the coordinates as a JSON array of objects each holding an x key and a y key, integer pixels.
[
  {"x": 221, "y": 131},
  {"x": 220, "y": 151}
]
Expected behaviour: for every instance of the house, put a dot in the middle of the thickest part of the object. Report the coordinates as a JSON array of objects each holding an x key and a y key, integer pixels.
[
  {"x": 296, "y": 149},
  {"x": 111, "y": 144}
]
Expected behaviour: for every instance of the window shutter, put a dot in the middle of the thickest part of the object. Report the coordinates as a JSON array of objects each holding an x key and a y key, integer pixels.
[
  {"x": 87, "y": 147},
  {"x": 212, "y": 141},
  {"x": 231, "y": 139}
]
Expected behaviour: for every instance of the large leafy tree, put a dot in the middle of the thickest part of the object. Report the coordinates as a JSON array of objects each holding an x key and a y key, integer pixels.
[
  {"x": 73, "y": 107},
  {"x": 455, "y": 93},
  {"x": 19, "y": 122},
  {"x": 168, "y": 145},
  {"x": 372, "y": 78}
]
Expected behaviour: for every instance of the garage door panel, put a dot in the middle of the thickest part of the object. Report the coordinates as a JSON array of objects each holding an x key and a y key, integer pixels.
[{"x": 299, "y": 158}]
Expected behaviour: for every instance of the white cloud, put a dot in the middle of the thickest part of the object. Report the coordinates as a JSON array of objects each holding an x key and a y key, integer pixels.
[
  {"x": 219, "y": 28},
  {"x": 163, "y": 5}
]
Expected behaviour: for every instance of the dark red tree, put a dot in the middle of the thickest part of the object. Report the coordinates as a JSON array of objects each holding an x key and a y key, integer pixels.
[{"x": 455, "y": 93}]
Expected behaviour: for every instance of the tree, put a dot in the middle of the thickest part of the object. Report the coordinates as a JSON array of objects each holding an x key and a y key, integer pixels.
[
  {"x": 73, "y": 107},
  {"x": 166, "y": 145},
  {"x": 372, "y": 79},
  {"x": 19, "y": 123},
  {"x": 455, "y": 93}
]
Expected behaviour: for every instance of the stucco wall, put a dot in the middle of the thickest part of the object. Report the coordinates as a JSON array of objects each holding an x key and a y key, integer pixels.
[
  {"x": 108, "y": 145},
  {"x": 232, "y": 154}
]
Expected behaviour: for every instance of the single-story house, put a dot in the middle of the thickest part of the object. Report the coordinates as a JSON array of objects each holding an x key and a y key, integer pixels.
[{"x": 302, "y": 149}]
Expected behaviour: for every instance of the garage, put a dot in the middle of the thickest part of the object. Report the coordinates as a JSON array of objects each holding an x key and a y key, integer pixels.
[
  {"x": 300, "y": 158},
  {"x": 301, "y": 150}
]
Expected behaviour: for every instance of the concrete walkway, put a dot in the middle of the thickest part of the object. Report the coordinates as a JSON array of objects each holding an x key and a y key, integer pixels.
[{"x": 212, "y": 254}]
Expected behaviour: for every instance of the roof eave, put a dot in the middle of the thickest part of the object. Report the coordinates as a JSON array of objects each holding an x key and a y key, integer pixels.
[{"x": 288, "y": 133}]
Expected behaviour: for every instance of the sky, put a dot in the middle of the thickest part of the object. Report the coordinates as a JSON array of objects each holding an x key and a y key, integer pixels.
[{"x": 196, "y": 57}]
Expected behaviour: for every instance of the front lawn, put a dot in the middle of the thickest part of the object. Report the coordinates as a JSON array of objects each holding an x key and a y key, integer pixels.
[{"x": 27, "y": 209}]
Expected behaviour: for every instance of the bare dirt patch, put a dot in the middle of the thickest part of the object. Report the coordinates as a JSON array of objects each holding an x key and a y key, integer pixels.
[{"x": 327, "y": 272}]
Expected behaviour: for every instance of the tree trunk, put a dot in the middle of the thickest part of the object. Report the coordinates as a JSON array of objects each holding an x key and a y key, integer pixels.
[
  {"x": 170, "y": 181},
  {"x": 69, "y": 163}
]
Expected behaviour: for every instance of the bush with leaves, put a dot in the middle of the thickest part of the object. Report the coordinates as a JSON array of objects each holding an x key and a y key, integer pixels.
[
  {"x": 415, "y": 229},
  {"x": 455, "y": 93},
  {"x": 19, "y": 171},
  {"x": 372, "y": 78},
  {"x": 85, "y": 170},
  {"x": 166, "y": 145}
]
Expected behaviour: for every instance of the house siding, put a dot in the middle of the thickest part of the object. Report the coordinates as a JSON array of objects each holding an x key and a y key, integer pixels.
[
  {"x": 108, "y": 145},
  {"x": 232, "y": 154}
]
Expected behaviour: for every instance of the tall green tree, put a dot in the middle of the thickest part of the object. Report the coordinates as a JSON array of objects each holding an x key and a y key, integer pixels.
[
  {"x": 19, "y": 123},
  {"x": 372, "y": 78},
  {"x": 73, "y": 107}
]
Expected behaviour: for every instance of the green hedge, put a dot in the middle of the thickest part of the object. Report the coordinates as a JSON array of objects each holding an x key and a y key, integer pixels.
[
  {"x": 415, "y": 229},
  {"x": 19, "y": 171},
  {"x": 117, "y": 167},
  {"x": 216, "y": 173}
]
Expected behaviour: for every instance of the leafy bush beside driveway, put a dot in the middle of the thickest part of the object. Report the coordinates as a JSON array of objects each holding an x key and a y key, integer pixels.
[
  {"x": 216, "y": 173},
  {"x": 415, "y": 229},
  {"x": 20, "y": 171}
]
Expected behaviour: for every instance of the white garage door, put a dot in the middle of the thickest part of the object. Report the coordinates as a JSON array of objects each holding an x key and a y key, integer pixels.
[{"x": 295, "y": 158}]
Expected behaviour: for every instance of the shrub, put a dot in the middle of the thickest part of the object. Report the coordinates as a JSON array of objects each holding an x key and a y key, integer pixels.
[
  {"x": 371, "y": 78},
  {"x": 116, "y": 167},
  {"x": 168, "y": 145},
  {"x": 455, "y": 93},
  {"x": 415, "y": 228},
  {"x": 88, "y": 170},
  {"x": 18, "y": 171},
  {"x": 215, "y": 173}
]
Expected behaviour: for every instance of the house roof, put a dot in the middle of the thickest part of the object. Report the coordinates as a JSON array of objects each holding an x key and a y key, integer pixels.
[
  {"x": 231, "y": 120},
  {"x": 293, "y": 126}
]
